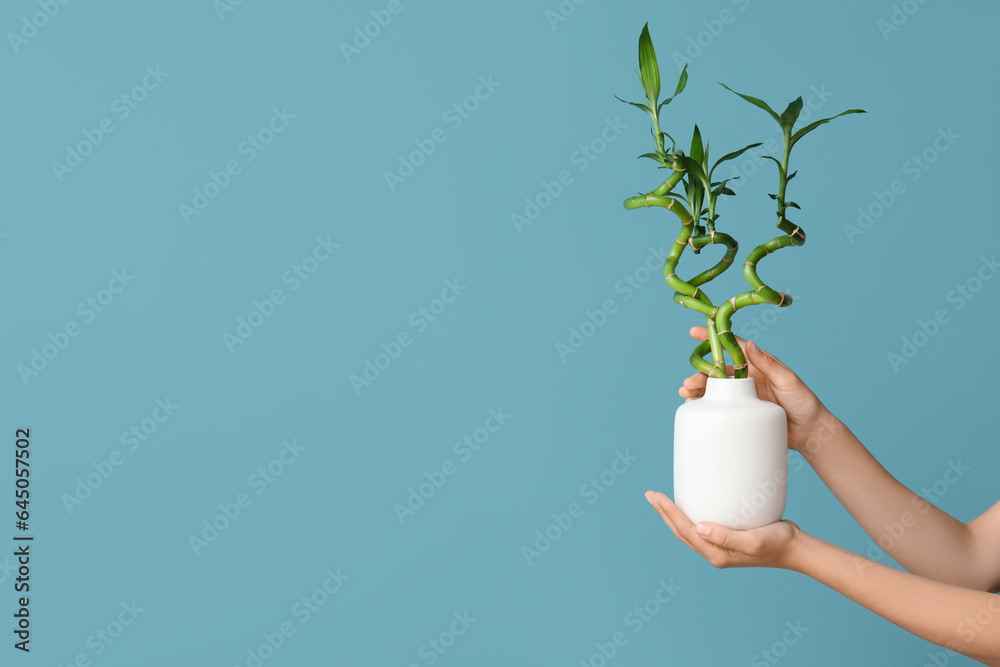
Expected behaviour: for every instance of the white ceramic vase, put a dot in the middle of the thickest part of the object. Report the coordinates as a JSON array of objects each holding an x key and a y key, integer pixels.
[{"x": 731, "y": 456}]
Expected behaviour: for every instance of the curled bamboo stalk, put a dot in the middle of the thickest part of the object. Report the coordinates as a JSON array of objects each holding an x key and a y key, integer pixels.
[{"x": 688, "y": 293}]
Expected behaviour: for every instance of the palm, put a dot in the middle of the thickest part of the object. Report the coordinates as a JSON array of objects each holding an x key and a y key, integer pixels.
[
  {"x": 758, "y": 547},
  {"x": 767, "y": 546}
]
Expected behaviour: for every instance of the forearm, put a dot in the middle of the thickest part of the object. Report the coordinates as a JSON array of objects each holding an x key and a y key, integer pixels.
[
  {"x": 965, "y": 620},
  {"x": 922, "y": 538}
]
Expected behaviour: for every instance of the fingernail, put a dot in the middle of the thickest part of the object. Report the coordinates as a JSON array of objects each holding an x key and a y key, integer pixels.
[
  {"x": 649, "y": 496},
  {"x": 703, "y": 529}
]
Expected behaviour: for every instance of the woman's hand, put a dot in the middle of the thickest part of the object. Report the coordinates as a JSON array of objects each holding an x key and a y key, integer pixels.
[
  {"x": 768, "y": 546},
  {"x": 962, "y": 619},
  {"x": 776, "y": 383}
]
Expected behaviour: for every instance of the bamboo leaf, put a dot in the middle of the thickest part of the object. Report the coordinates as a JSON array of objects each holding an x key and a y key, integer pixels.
[
  {"x": 681, "y": 82},
  {"x": 732, "y": 156},
  {"x": 725, "y": 181},
  {"x": 673, "y": 144},
  {"x": 697, "y": 176},
  {"x": 636, "y": 104},
  {"x": 694, "y": 184},
  {"x": 791, "y": 114},
  {"x": 697, "y": 150},
  {"x": 812, "y": 126},
  {"x": 756, "y": 102},
  {"x": 648, "y": 67},
  {"x": 793, "y": 205},
  {"x": 781, "y": 170}
]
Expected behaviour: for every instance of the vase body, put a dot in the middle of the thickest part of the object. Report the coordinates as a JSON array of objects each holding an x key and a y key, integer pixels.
[{"x": 731, "y": 456}]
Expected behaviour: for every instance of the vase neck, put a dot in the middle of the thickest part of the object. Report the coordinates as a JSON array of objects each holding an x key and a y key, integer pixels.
[{"x": 731, "y": 388}]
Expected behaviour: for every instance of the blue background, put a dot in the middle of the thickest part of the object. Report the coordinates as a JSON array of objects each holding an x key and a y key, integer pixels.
[{"x": 356, "y": 115}]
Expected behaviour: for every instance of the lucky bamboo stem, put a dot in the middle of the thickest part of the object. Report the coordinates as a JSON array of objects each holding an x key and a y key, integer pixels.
[
  {"x": 688, "y": 292},
  {"x": 761, "y": 293}
]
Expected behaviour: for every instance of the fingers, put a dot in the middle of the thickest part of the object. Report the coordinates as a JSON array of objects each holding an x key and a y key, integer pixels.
[
  {"x": 727, "y": 538},
  {"x": 768, "y": 364},
  {"x": 739, "y": 545},
  {"x": 696, "y": 381},
  {"x": 651, "y": 496},
  {"x": 720, "y": 546},
  {"x": 765, "y": 362},
  {"x": 694, "y": 386},
  {"x": 699, "y": 333},
  {"x": 668, "y": 511},
  {"x": 672, "y": 515}
]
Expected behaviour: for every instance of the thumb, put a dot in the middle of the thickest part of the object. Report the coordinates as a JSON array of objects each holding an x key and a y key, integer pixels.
[
  {"x": 722, "y": 537},
  {"x": 765, "y": 362}
]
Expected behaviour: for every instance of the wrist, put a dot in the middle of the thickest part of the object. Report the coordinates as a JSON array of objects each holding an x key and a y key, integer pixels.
[
  {"x": 826, "y": 430},
  {"x": 797, "y": 556}
]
